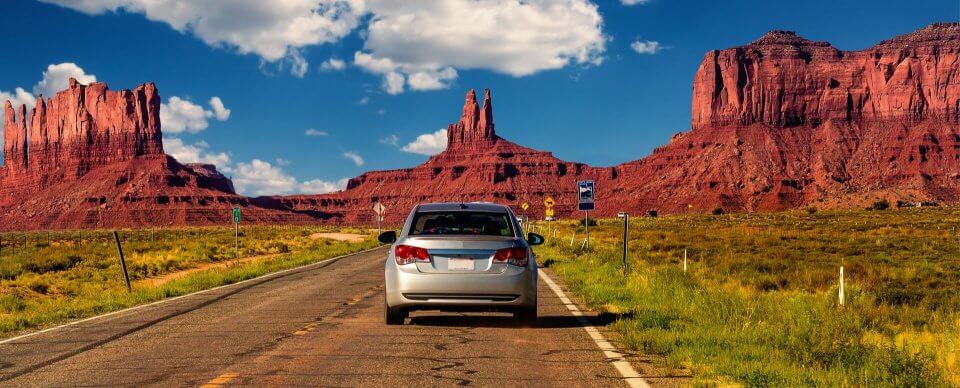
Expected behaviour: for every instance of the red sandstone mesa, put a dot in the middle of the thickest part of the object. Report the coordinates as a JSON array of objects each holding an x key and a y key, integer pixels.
[
  {"x": 93, "y": 157},
  {"x": 780, "y": 123}
]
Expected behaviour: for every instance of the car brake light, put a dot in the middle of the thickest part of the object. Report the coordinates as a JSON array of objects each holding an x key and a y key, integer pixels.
[
  {"x": 406, "y": 254},
  {"x": 514, "y": 256}
]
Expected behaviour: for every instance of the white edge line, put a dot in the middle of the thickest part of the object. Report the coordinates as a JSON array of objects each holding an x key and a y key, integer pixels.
[
  {"x": 161, "y": 301},
  {"x": 630, "y": 375}
]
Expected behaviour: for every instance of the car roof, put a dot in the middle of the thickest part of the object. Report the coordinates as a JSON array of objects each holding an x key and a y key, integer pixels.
[{"x": 462, "y": 206}]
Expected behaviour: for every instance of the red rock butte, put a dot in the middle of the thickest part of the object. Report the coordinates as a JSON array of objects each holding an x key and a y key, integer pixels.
[{"x": 780, "y": 123}]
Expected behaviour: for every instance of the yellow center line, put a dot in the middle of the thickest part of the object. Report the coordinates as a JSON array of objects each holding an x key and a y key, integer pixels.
[{"x": 220, "y": 380}]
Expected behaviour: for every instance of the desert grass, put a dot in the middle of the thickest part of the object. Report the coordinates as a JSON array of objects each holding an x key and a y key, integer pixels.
[
  {"x": 758, "y": 305},
  {"x": 52, "y": 277}
]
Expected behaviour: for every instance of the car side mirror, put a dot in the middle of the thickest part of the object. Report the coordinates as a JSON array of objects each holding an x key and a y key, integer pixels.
[
  {"x": 534, "y": 239},
  {"x": 388, "y": 237}
]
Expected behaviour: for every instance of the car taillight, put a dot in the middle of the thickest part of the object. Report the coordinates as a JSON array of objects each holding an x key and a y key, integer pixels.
[
  {"x": 407, "y": 254},
  {"x": 514, "y": 256}
]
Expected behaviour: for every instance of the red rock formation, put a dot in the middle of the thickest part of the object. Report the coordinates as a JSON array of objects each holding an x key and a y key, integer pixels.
[
  {"x": 92, "y": 157},
  {"x": 780, "y": 123},
  {"x": 785, "y": 122}
]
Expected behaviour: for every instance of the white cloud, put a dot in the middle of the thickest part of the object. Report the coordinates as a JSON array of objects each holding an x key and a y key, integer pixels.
[
  {"x": 333, "y": 64},
  {"x": 262, "y": 178},
  {"x": 315, "y": 132},
  {"x": 633, "y": 2},
  {"x": 273, "y": 29},
  {"x": 393, "y": 82},
  {"x": 219, "y": 111},
  {"x": 195, "y": 153},
  {"x": 428, "y": 143},
  {"x": 390, "y": 140},
  {"x": 297, "y": 63},
  {"x": 354, "y": 157},
  {"x": 425, "y": 44},
  {"x": 57, "y": 78},
  {"x": 319, "y": 186},
  {"x": 254, "y": 178},
  {"x": 411, "y": 45},
  {"x": 431, "y": 80},
  {"x": 181, "y": 115},
  {"x": 364, "y": 101},
  {"x": 646, "y": 47}
]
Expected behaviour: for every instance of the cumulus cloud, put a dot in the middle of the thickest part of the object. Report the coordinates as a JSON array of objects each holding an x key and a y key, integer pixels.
[
  {"x": 428, "y": 143},
  {"x": 57, "y": 78},
  {"x": 273, "y": 30},
  {"x": 262, "y": 178},
  {"x": 646, "y": 47},
  {"x": 219, "y": 111},
  {"x": 195, "y": 153},
  {"x": 333, "y": 64},
  {"x": 319, "y": 186},
  {"x": 254, "y": 178},
  {"x": 181, "y": 115},
  {"x": 354, "y": 157},
  {"x": 411, "y": 45},
  {"x": 315, "y": 132},
  {"x": 421, "y": 47}
]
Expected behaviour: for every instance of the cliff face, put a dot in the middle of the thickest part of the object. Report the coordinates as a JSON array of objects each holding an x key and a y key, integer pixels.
[
  {"x": 786, "y": 122},
  {"x": 477, "y": 165},
  {"x": 780, "y": 123},
  {"x": 92, "y": 157},
  {"x": 783, "y": 80},
  {"x": 79, "y": 129}
]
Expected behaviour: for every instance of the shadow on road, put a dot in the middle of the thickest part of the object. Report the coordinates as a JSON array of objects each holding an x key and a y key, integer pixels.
[{"x": 549, "y": 321}]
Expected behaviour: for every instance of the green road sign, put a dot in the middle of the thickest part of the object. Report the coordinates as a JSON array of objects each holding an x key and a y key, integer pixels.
[{"x": 236, "y": 215}]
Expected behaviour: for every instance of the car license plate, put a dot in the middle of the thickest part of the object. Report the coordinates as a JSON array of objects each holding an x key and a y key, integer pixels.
[{"x": 460, "y": 264}]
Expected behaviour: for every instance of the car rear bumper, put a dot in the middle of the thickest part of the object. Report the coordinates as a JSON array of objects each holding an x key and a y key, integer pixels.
[{"x": 513, "y": 290}]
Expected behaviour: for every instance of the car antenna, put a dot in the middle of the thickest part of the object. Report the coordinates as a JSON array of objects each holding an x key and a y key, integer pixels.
[{"x": 463, "y": 205}]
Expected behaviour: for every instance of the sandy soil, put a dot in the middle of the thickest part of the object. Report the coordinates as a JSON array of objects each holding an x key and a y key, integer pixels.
[{"x": 348, "y": 237}]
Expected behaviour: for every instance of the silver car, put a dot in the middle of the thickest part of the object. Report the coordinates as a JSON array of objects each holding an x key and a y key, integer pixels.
[{"x": 461, "y": 257}]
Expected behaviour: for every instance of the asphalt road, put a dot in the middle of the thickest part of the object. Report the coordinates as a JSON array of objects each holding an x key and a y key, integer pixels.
[{"x": 320, "y": 325}]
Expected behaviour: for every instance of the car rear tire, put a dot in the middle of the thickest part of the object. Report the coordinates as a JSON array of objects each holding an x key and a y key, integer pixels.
[
  {"x": 526, "y": 316},
  {"x": 394, "y": 315}
]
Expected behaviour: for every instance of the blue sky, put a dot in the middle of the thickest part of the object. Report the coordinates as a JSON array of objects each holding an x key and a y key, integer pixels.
[{"x": 565, "y": 74}]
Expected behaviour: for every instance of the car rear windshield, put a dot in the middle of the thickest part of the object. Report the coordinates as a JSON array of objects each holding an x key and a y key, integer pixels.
[{"x": 462, "y": 223}]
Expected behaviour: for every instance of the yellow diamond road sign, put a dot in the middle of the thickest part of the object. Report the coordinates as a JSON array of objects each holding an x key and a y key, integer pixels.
[
  {"x": 524, "y": 206},
  {"x": 549, "y": 202},
  {"x": 548, "y": 212}
]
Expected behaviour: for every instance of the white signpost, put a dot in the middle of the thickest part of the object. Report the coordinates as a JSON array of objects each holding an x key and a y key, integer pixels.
[{"x": 379, "y": 208}]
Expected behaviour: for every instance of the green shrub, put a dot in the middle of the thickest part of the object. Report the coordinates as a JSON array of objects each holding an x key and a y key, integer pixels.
[
  {"x": 717, "y": 211},
  {"x": 880, "y": 205}
]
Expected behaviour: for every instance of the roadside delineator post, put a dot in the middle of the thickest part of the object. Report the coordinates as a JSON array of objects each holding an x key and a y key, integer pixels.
[
  {"x": 123, "y": 262},
  {"x": 841, "y": 294},
  {"x": 684, "y": 259},
  {"x": 626, "y": 238},
  {"x": 573, "y": 237}
]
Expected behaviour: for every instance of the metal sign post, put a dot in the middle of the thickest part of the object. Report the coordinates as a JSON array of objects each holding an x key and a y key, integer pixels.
[
  {"x": 379, "y": 208},
  {"x": 236, "y": 229},
  {"x": 586, "y": 204}
]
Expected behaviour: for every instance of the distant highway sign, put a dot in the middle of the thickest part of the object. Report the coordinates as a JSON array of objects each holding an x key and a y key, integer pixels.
[{"x": 587, "y": 194}]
